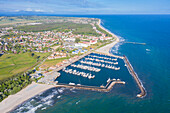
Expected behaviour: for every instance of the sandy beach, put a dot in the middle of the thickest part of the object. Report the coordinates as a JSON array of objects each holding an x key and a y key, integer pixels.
[
  {"x": 12, "y": 101},
  {"x": 105, "y": 49}
]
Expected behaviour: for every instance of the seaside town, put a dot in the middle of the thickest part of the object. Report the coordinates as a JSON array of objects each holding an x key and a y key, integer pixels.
[
  {"x": 48, "y": 55},
  {"x": 60, "y": 44},
  {"x": 15, "y": 41},
  {"x": 84, "y": 56},
  {"x": 49, "y": 49}
]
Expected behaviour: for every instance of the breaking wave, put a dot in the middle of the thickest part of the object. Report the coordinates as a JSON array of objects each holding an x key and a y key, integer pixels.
[
  {"x": 115, "y": 49},
  {"x": 41, "y": 101}
]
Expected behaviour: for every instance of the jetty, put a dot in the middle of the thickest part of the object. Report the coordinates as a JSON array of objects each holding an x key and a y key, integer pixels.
[
  {"x": 135, "y": 43},
  {"x": 108, "y": 54},
  {"x": 102, "y": 88},
  {"x": 86, "y": 67},
  {"x": 133, "y": 73}
]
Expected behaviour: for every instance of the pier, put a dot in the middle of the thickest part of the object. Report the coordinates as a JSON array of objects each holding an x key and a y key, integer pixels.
[
  {"x": 108, "y": 54},
  {"x": 135, "y": 43},
  {"x": 132, "y": 72},
  {"x": 79, "y": 73}
]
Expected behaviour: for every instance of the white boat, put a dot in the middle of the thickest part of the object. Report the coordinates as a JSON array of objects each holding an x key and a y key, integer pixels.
[
  {"x": 103, "y": 65},
  {"x": 108, "y": 80},
  {"x": 89, "y": 76},
  {"x": 71, "y": 83},
  {"x": 114, "y": 79},
  {"x": 93, "y": 76}
]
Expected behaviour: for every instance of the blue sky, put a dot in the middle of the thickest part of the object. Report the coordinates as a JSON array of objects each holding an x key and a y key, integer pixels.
[{"x": 86, "y": 6}]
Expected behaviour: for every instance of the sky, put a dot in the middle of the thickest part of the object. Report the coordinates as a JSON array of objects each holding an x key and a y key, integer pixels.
[{"x": 86, "y": 6}]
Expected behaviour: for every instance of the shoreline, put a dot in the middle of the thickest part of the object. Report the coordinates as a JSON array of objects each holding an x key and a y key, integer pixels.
[
  {"x": 13, "y": 101},
  {"x": 106, "y": 49}
]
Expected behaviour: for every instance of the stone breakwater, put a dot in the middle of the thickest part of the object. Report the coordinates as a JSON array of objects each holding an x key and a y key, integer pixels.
[
  {"x": 106, "y": 88},
  {"x": 133, "y": 73}
]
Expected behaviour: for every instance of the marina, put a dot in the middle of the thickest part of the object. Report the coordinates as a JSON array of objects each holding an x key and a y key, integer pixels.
[
  {"x": 75, "y": 72},
  {"x": 102, "y": 65},
  {"x": 92, "y": 59},
  {"x": 94, "y": 71},
  {"x": 86, "y": 67},
  {"x": 88, "y": 71}
]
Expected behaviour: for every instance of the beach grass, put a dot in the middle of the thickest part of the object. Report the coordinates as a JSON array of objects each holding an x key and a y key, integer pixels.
[{"x": 11, "y": 64}]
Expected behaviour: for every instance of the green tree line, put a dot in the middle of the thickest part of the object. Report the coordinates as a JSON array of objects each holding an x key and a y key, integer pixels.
[{"x": 14, "y": 84}]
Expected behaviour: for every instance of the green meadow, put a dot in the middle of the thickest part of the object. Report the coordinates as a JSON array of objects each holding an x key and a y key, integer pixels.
[{"x": 11, "y": 64}]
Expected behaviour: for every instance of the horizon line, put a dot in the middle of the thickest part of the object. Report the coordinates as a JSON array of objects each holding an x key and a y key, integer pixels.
[{"x": 86, "y": 14}]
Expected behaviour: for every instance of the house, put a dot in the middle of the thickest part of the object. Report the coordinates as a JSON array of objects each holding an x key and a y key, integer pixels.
[
  {"x": 50, "y": 57},
  {"x": 59, "y": 64},
  {"x": 87, "y": 43},
  {"x": 107, "y": 38},
  {"x": 93, "y": 41},
  {"x": 65, "y": 61},
  {"x": 52, "y": 67},
  {"x": 69, "y": 39}
]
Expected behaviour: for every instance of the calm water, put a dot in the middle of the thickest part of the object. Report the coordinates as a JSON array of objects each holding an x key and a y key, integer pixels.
[
  {"x": 101, "y": 77},
  {"x": 150, "y": 61}
]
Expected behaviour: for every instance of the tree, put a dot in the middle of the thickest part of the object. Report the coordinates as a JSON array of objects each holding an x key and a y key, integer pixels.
[
  {"x": 15, "y": 89},
  {"x": 77, "y": 40},
  {"x": 32, "y": 54}
]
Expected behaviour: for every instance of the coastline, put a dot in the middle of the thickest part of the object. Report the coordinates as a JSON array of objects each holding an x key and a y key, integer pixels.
[
  {"x": 13, "y": 101},
  {"x": 106, "y": 49}
]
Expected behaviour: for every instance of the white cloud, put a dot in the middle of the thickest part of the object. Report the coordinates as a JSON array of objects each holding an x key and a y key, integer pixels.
[
  {"x": 28, "y": 9},
  {"x": 34, "y": 10},
  {"x": 17, "y": 10},
  {"x": 38, "y": 10}
]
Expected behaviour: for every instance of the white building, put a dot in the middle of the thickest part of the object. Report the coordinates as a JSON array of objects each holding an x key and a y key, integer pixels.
[
  {"x": 80, "y": 45},
  {"x": 70, "y": 39}
]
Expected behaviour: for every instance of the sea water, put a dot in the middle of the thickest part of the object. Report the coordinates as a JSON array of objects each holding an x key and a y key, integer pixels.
[
  {"x": 150, "y": 61},
  {"x": 101, "y": 77}
]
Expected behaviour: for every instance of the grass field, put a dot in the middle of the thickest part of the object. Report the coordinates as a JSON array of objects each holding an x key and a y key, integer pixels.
[
  {"x": 84, "y": 29},
  {"x": 11, "y": 64},
  {"x": 53, "y": 62}
]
